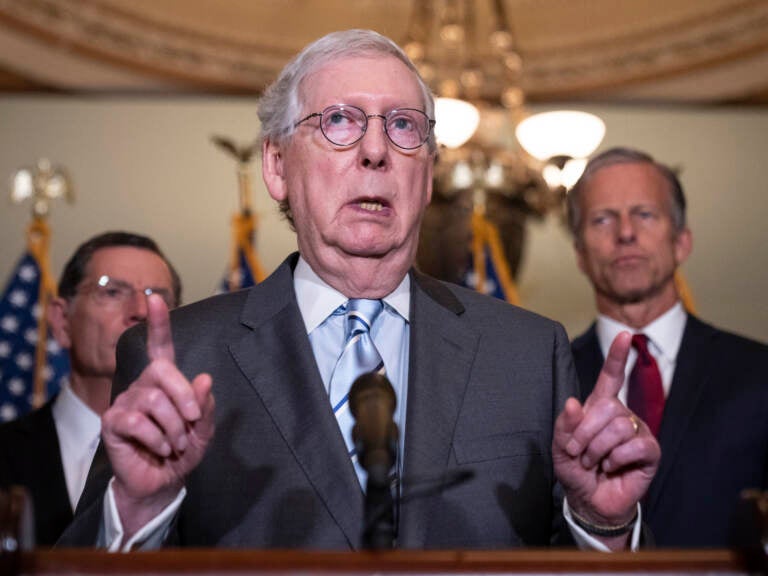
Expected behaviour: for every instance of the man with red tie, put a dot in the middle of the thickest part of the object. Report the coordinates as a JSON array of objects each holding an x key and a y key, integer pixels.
[{"x": 701, "y": 390}]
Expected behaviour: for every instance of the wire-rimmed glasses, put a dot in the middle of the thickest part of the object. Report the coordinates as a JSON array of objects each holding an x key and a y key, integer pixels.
[
  {"x": 115, "y": 293},
  {"x": 343, "y": 125}
]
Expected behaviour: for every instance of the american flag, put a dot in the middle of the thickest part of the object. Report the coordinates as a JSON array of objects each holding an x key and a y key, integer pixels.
[
  {"x": 492, "y": 285},
  {"x": 240, "y": 277},
  {"x": 19, "y": 318},
  {"x": 488, "y": 271}
]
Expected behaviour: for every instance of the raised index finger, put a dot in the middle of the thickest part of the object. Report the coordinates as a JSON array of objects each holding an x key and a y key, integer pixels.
[
  {"x": 159, "y": 340},
  {"x": 611, "y": 377}
]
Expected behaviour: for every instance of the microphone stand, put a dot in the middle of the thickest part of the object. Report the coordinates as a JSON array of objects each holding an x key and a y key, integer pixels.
[{"x": 372, "y": 401}]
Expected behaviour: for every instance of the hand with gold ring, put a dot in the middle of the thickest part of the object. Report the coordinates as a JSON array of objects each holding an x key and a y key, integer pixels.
[{"x": 603, "y": 465}]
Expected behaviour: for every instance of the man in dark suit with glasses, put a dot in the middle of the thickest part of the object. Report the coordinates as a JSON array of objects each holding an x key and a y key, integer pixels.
[{"x": 102, "y": 292}]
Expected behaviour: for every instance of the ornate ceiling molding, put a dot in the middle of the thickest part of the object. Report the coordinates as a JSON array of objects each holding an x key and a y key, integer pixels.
[
  {"x": 705, "y": 40},
  {"x": 104, "y": 32},
  {"x": 123, "y": 37}
]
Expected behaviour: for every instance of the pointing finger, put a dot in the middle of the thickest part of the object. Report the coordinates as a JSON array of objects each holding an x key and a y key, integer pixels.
[
  {"x": 611, "y": 377},
  {"x": 568, "y": 420},
  {"x": 159, "y": 340}
]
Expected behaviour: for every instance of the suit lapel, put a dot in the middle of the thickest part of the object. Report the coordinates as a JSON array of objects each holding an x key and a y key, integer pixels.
[
  {"x": 45, "y": 440},
  {"x": 441, "y": 355},
  {"x": 45, "y": 474},
  {"x": 276, "y": 357},
  {"x": 688, "y": 382},
  {"x": 588, "y": 359}
]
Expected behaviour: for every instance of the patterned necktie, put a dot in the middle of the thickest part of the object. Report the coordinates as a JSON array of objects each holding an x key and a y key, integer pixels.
[
  {"x": 358, "y": 357},
  {"x": 645, "y": 395}
]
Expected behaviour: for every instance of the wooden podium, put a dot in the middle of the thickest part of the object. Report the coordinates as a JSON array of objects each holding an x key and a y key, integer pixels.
[
  {"x": 209, "y": 562},
  {"x": 19, "y": 558}
]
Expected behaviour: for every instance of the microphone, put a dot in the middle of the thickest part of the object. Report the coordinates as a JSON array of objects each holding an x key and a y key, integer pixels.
[{"x": 372, "y": 402}]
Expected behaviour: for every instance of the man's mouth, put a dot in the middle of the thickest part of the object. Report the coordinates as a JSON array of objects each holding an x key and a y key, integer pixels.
[
  {"x": 371, "y": 205},
  {"x": 629, "y": 260}
]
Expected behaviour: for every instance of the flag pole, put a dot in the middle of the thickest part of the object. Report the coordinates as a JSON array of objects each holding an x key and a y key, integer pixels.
[
  {"x": 41, "y": 184},
  {"x": 244, "y": 222},
  {"x": 38, "y": 244},
  {"x": 485, "y": 233},
  {"x": 684, "y": 290}
]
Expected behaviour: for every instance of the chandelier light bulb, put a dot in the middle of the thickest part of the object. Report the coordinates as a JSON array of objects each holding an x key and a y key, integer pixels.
[
  {"x": 568, "y": 133},
  {"x": 457, "y": 120}
]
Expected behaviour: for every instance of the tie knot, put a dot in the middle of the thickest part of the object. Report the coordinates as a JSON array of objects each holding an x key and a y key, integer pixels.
[
  {"x": 640, "y": 343},
  {"x": 361, "y": 314}
]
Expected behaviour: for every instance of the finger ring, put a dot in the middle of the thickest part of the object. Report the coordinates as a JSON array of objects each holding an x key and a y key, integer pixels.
[{"x": 635, "y": 423}]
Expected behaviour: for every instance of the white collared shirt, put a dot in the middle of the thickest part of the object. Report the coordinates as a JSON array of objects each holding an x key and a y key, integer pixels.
[
  {"x": 78, "y": 428},
  {"x": 665, "y": 334}
]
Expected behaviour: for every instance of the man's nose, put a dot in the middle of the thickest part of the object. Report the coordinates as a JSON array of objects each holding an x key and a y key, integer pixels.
[
  {"x": 626, "y": 231},
  {"x": 374, "y": 145},
  {"x": 136, "y": 307}
]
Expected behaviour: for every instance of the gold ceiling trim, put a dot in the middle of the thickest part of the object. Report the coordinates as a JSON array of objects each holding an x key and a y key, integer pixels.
[
  {"x": 103, "y": 31},
  {"x": 108, "y": 33},
  {"x": 688, "y": 46}
]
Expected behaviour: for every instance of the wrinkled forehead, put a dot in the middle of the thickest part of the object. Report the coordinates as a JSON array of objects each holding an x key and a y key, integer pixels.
[
  {"x": 128, "y": 263},
  {"x": 373, "y": 79},
  {"x": 626, "y": 184}
]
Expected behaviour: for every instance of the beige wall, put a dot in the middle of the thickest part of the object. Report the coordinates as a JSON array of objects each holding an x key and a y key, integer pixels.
[{"x": 147, "y": 165}]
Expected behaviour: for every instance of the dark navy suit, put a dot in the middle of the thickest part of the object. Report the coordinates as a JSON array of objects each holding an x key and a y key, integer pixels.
[
  {"x": 30, "y": 457},
  {"x": 713, "y": 436}
]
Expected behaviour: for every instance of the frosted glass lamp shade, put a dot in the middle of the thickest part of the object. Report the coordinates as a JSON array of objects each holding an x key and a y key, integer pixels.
[
  {"x": 567, "y": 133},
  {"x": 456, "y": 121}
]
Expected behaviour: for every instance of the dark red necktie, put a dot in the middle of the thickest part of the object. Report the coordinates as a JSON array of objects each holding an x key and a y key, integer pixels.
[{"x": 645, "y": 394}]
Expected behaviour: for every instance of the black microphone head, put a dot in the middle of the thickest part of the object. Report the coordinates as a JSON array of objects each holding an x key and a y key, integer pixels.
[
  {"x": 372, "y": 402},
  {"x": 371, "y": 386}
]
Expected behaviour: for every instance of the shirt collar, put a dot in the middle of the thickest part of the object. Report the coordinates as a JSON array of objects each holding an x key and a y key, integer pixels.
[
  {"x": 83, "y": 422},
  {"x": 665, "y": 332},
  {"x": 317, "y": 300}
]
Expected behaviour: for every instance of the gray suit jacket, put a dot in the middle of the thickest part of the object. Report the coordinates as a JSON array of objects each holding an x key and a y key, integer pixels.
[{"x": 486, "y": 382}]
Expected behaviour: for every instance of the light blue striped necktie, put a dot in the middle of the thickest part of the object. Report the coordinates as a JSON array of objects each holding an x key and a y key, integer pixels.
[{"x": 358, "y": 357}]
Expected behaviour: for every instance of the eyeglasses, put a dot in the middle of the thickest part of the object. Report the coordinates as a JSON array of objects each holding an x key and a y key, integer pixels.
[
  {"x": 343, "y": 125},
  {"x": 115, "y": 293}
]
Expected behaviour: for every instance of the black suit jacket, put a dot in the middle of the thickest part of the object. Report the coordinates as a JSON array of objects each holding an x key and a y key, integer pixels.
[
  {"x": 713, "y": 436},
  {"x": 486, "y": 382},
  {"x": 30, "y": 457}
]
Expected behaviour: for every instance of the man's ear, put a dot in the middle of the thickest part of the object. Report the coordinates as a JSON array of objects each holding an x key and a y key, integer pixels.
[
  {"x": 58, "y": 321},
  {"x": 272, "y": 170},
  {"x": 578, "y": 249},
  {"x": 431, "y": 177},
  {"x": 683, "y": 246}
]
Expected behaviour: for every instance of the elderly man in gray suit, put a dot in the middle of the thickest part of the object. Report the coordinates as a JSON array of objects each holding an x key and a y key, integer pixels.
[{"x": 348, "y": 152}]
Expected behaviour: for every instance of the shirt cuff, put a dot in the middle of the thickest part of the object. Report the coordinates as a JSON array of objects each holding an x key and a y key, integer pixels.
[
  {"x": 149, "y": 536},
  {"x": 586, "y": 541}
]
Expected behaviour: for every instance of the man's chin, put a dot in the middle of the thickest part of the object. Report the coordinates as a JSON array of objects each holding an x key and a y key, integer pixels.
[
  {"x": 360, "y": 255},
  {"x": 367, "y": 248},
  {"x": 631, "y": 294}
]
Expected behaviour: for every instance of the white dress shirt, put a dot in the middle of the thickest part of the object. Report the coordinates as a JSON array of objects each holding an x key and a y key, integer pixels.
[
  {"x": 665, "y": 334},
  {"x": 78, "y": 428}
]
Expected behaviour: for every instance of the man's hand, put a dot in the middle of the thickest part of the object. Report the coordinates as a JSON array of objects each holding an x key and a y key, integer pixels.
[
  {"x": 156, "y": 431},
  {"x": 604, "y": 456}
]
